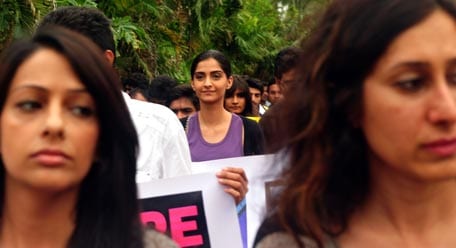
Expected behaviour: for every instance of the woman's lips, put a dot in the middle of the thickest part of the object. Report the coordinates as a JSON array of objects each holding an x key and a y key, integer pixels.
[
  {"x": 444, "y": 147},
  {"x": 51, "y": 158}
]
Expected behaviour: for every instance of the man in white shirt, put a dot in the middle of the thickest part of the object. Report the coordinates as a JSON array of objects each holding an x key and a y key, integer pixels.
[{"x": 164, "y": 150}]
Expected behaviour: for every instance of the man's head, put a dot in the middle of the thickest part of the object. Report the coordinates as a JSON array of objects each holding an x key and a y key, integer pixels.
[
  {"x": 274, "y": 93},
  {"x": 182, "y": 100},
  {"x": 135, "y": 80},
  {"x": 160, "y": 88},
  {"x": 256, "y": 90},
  {"x": 284, "y": 66},
  {"x": 90, "y": 22},
  {"x": 264, "y": 96}
]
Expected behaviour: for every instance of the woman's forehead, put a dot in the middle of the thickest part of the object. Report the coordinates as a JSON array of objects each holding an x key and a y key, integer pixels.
[{"x": 209, "y": 65}]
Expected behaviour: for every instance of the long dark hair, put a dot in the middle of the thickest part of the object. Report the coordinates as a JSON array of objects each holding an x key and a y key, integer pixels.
[
  {"x": 107, "y": 207},
  {"x": 240, "y": 83},
  {"x": 328, "y": 173}
]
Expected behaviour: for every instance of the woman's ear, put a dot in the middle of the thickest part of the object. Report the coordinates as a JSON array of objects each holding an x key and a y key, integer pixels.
[
  {"x": 230, "y": 82},
  {"x": 110, "y": 56},
  {"x": 193, "y": 85}
]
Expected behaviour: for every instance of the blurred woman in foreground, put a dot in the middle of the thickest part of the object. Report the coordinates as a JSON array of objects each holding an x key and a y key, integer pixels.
[
  {"x": 68, "y": 149},
  {"x": 370, "y": 130}
]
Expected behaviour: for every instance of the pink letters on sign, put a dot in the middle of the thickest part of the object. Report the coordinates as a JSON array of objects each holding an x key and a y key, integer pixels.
[
  {"x": 178, "y": 227},
  {"x": 155, "y": 217}
]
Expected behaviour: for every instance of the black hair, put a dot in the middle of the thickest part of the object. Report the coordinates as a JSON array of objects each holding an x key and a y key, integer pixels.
[
  {"x": 135, "y": 80},
  {"x": 183, "y": 90},
  {"x": 132, "y": 92},
  {"x": 239, "y": 83},
  {"x": 286, "y": 60},
  {"x": 160, "y": 88},
  {"x": 90, "y": 22},
  {"x": 214, "y": 54},
  {"x": 255, "y": 83}
]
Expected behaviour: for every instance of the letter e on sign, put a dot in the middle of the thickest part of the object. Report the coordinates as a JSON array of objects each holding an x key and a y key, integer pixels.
[{"x": 179, "y": 226}]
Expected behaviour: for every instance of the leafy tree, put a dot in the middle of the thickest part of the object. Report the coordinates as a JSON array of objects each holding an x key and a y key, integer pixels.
[
  {"x": 162, "y": 36},
  {"x": 298, "y": 16},
  {"x": 18, "y": 18}
]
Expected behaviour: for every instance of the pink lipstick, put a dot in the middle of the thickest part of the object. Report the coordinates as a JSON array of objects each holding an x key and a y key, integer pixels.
[
  {"x": 51, "y": 158},
  {"x": 443, "y": 147}
]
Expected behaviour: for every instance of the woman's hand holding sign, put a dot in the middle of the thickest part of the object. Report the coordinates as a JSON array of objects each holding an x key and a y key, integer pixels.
[{"x": 235, "y": 181}]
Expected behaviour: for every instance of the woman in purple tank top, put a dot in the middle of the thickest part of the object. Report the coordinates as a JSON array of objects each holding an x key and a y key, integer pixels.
[{"x": 213, "y": 132}]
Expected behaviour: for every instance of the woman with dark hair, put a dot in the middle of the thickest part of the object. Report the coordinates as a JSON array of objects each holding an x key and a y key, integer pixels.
[
  {"x": 68, "y": 148},
  {"x": 370, "y": 130},
  {"x": 215, "y": 133},
  {"x": 237, "y": 97}
]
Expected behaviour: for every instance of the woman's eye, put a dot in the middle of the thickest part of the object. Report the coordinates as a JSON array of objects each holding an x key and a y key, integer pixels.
[
  {"x": 28, "y": 105},
  {"x": 199, "y": 77},
  {"x": 216, "y": 76},
  {"x": 411, "y": 85},
  {"x": 451, "y": 78},
  {"x": 82, "y": 111}
]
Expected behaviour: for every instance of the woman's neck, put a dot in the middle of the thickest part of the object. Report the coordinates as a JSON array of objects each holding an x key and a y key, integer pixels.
[
  {"x": 213, "y": 114},
  {"x": 405, "y": 212},
  {"x": 214, "y": 122},
  {"x": 37, "y": 219}
]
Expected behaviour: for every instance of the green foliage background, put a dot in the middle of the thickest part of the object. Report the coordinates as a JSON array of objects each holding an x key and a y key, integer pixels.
[{"x": 161, "y": 37}]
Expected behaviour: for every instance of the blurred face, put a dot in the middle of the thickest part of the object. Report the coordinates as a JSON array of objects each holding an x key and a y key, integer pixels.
[
  {"x": 182, "y": 107},
  {"x": 255, "y": 94},
  {"x": 409, "y": 106},
  {"x": 236, "y": 103},
  {"x": 287, "y": 79},
  {"x": 264, "y": 97},
  {"x": 49, "y": 129},
  {"x": 210, "y": 81},
  {"x": 274, "y": 94},
  {"x": 139, "y": 96}
]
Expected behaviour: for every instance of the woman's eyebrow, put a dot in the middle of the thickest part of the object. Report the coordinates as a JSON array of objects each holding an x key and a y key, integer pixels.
[
  {"x": 29, "y": 86},
  {"x": 410, "y": 64}
]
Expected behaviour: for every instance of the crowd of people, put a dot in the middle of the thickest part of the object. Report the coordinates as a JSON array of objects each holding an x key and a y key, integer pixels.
[
  {"x": 363, "y": 112},
  {"x": 249, "y": 97}
]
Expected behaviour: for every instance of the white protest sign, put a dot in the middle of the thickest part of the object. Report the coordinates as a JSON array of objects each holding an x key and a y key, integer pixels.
[
  {"x": 259, "y": 170},
  {"x": 194, "y": 210}
]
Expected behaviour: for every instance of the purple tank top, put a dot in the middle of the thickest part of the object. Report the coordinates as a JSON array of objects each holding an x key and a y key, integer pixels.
[{"x": 230, "y": 146}]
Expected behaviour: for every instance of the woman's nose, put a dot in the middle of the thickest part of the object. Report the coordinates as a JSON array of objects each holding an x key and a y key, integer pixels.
[
  {"x": 443, "y": 107},
  {"x": 54, "y": 124}
]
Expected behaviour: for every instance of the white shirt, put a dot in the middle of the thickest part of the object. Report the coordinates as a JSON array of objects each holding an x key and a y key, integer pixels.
[
  {"x": 262, "y": 109},
  {"x": 163, "y": 145}
]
